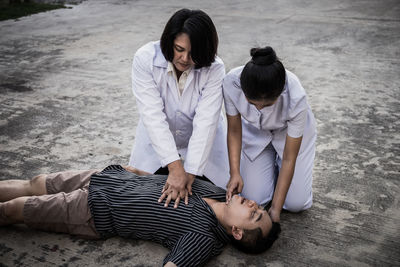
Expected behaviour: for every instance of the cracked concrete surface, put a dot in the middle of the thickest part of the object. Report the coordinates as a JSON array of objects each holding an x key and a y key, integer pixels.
[{"x": 66, "y": 103}]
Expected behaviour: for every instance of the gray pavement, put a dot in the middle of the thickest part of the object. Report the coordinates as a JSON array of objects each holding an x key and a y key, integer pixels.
[{"x": 66, "y": 103}]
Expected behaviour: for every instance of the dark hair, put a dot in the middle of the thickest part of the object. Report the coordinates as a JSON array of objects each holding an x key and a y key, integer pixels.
[
  {"x": 202, "y": 34},
  {"x": 253, "y": 241},
  {"x": 264, "y": 76}
]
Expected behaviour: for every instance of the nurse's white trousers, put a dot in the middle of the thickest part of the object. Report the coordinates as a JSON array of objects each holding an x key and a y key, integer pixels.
[{"x": 260, "y": 176}]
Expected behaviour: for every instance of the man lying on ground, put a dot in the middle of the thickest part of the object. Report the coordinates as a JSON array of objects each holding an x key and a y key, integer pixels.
[{"x": 118, "y": 202}]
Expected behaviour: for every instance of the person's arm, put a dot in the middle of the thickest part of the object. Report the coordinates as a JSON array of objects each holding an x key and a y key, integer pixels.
[
  {"x": 235, "y": 184},
  {"x": 151, "y": 106},
  {"x": 205, "y": 121},
  {"x": 170, "y": 264},
  {"x": 136, "y": 171},
  {"x": 297, "y": 118},
  {"x": 192, "y": 249},
  {"x": 290, "y": 152}
]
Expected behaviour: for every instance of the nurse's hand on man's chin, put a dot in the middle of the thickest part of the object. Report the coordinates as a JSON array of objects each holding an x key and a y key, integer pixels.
[
  {"x": 274, "y": 214},
  {"x": 234, "y": 186}
]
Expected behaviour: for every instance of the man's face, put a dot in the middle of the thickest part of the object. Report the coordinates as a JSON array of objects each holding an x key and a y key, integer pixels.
[
  {"x": 246, "y": 214},
  {"x": 182, "y": 49}
]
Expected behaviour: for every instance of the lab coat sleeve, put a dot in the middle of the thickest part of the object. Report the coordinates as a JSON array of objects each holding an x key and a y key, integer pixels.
[
  {"x": 151, "y": 106},
  {"x": 205, "y": 121}
]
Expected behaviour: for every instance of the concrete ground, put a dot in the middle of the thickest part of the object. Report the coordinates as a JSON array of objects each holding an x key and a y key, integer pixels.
[{"x": 66, "y": 103}]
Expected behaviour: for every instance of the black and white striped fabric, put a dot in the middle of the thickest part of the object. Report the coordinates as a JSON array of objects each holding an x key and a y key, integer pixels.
[{"x": 125, "y": 204}]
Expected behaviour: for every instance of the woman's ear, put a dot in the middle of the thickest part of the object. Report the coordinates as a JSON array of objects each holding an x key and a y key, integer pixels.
[{"x": 237, "y": 233}]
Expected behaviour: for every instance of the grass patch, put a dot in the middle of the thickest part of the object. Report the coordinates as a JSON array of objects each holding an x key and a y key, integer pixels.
[{"x": 17, "y": 10}]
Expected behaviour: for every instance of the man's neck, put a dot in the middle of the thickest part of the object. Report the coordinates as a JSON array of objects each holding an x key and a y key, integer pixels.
[{"x": 219, "y": 209}]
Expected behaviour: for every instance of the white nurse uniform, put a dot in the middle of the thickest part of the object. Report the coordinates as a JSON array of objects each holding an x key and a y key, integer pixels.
[{"x": 263, "y": 140}]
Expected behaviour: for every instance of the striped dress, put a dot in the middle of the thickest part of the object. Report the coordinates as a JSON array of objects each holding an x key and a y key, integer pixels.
[{"x": 125, "y": 204}]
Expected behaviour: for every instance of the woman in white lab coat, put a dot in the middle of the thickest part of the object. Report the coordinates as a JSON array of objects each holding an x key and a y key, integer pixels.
[
  {"x": 271, "y": 134},
  {"x": 177, "y": 83}
]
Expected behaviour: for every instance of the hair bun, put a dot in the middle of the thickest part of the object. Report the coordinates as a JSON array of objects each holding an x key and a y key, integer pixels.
[{"x": 263, "y": 56}]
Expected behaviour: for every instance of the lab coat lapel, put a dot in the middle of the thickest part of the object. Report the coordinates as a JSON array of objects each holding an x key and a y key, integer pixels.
[
  {"x": 159, "y": 60},
  {"x": 189, "y": 80},
  {"x": 173, "y": 87}
]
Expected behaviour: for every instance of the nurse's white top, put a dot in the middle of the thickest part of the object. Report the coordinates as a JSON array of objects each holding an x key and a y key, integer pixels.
[
  {"x": 290, "y": 114},
  {"x": 172, "y": 124}
]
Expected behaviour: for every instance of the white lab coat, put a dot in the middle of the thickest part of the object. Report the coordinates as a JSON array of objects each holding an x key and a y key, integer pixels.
[
  {"x": 170, "y": 124},
  {"x": 264, "y": 136}
]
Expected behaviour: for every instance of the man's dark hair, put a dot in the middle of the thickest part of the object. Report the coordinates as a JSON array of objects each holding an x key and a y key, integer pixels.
[
  {"x": 253, "y": 241},
  {"x": 264, "y": 76},
  {"x": 202, "y": 34}
]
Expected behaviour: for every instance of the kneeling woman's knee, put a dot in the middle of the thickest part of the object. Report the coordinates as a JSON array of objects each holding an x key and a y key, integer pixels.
[{"x": 297, "y": 205}]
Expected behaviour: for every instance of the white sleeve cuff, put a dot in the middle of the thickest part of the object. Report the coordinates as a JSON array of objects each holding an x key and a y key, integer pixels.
[{"x": 168, "y": 160}]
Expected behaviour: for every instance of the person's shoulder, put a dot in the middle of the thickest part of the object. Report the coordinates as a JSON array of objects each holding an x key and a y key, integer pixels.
[
  {"x": 216, "y": 66},
  {"x": 205, "y": 188},
  {"x": 148, "y": 50},
  {"x": 149, "y": 55},
  {"x": 293, "y": 89},
  {"x": 231, "y": 81},
  {"x": 291, "y": 78},
  {"x": 218, "y": 62},
  {"x": 234, "y": 74},
  {"x": 215, "y": 70}
]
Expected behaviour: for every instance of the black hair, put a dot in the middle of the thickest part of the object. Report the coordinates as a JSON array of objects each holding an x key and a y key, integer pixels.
[
  {"x": 202, "y": 34},
  {"x": 264, "y": 76},
  {"x": 254, "y": 242}
]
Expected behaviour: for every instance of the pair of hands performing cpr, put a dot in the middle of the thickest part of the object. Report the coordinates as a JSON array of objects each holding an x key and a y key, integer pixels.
[{"x": 179, "y": 185}]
